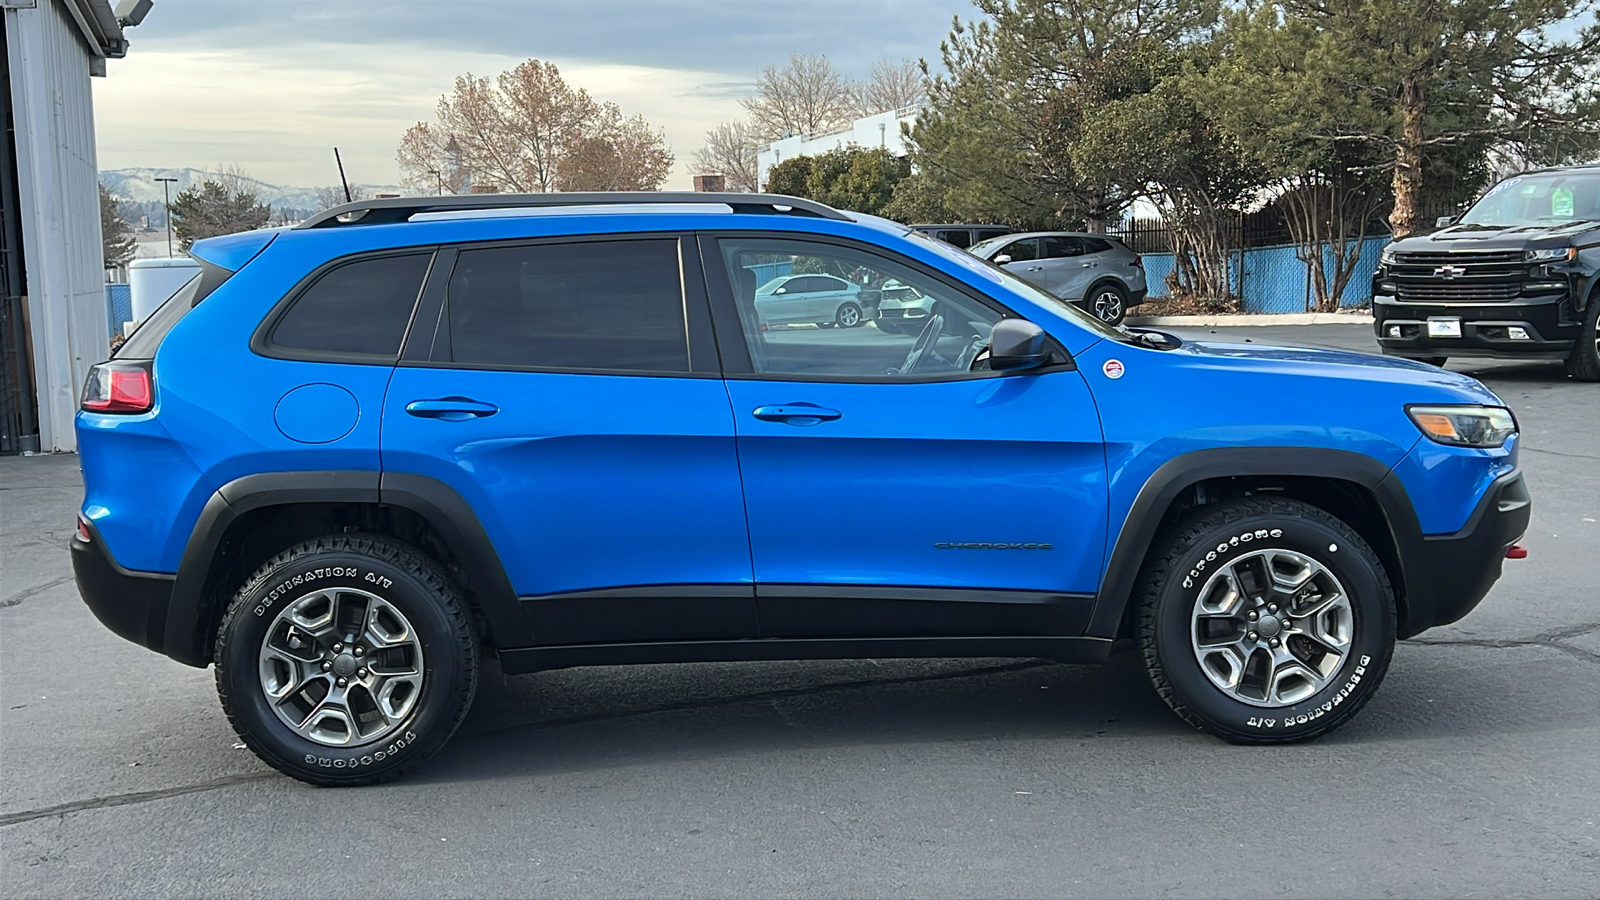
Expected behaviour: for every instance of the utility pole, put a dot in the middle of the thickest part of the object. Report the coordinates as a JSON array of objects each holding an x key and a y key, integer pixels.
[
  {"x": 166, "y": 191},
  {"x": 436, "y": 174}
]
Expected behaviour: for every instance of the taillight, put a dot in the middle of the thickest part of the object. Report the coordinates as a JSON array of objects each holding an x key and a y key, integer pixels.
[
  {"x": 1138, "y": 262},
  {"x": 119, "y": 387}
]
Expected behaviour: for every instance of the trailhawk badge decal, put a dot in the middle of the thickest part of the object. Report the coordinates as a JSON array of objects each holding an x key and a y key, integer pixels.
[{"x": 1113, "y": 368}]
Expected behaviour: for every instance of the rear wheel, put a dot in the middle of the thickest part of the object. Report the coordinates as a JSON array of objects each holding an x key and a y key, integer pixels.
[
  {"x": 346, "y": 660},
  {"x": 1583, "y": 363},
  {"x": 1108, "y": 302},
  {"x": 1266, "y": 621},
  {"x": 1435, "y": 360}
]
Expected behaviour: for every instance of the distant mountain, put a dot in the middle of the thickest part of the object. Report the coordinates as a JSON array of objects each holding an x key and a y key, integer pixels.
[{"x": 139, "y": 185}]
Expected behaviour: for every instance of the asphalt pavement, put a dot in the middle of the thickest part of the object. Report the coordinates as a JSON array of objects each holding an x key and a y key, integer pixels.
[{"x": 1473, "y": 773}]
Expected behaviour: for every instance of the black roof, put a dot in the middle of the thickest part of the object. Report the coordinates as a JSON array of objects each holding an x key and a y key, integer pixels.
[{"x": 399, "y": 209}]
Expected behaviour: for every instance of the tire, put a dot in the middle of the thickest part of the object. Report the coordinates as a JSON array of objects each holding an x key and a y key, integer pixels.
[
  {"x": 1583, "y": 363},
  {"x": 409, "y": 608},
  {"x": 1107, "y": 302},
  {"x": 848, "y": 316},
  {"x": 1435, "y": 360},
  {"x": 1189, "y": 563}
]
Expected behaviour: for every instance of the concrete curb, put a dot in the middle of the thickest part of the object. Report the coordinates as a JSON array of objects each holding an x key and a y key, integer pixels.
[{"x": 1286, "y": 319}]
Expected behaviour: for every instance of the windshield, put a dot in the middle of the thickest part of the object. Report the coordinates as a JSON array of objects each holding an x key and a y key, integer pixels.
[
  {"x": 982, "y": 248},
  {"x": 988, "y": 270},
  {"x": 1550, "y": 198}
]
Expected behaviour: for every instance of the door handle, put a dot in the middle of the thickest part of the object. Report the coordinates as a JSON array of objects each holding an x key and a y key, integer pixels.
[
  {"x": 1036, "y": 268},
  {"x": 796, "y": 413},
  {"x": 1090, "y": 265},
  {"x": 451, "y": 409}
]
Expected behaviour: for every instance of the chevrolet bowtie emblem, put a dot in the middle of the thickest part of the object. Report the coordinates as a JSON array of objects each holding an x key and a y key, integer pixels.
[{"x": 1450, "y": 271}]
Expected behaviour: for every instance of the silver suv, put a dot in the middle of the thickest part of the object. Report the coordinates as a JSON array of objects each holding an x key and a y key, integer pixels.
[{"x": 1094, "y": 271}]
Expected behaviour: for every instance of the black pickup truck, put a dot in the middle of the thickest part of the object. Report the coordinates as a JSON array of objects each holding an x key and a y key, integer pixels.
[{"x": 1516, "y": 277}]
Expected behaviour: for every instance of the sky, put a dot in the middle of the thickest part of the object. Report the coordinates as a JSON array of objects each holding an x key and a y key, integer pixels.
[{"x": 271, "y": 86}]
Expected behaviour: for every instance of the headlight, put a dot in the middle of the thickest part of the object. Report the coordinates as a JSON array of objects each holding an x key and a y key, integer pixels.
[
  {"x": 1551, "y": 254},
  {"x": 1465, "y": 426},
  {"x": 1386, "y": 255}
]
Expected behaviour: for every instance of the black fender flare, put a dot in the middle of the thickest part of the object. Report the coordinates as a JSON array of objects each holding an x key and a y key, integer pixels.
[
  {"x": 1177, "y": 475},
  {"x": 190, "y": 612}
]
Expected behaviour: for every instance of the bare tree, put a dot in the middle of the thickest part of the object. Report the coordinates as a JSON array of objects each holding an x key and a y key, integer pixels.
[
  {"x": 730, "y": 151},
  {"x": 524, "y": 131},
  {"x": 621, "y": 155},
  {"x": 331, "y": 195},
  {"x": 891, "y": 85},
  {"x": 430, "y": 161},
  {"x": 804, "y": 97}
]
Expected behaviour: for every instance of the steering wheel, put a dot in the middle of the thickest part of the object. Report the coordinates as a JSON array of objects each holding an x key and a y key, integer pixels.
[{"x": 925, "y": 340}]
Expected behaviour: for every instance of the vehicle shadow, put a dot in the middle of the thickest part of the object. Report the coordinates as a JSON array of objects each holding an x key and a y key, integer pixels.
[{"x": 623, "y": 717}]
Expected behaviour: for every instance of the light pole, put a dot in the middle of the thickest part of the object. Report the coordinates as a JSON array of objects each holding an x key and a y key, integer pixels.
[{"x": 166, "y": 191}]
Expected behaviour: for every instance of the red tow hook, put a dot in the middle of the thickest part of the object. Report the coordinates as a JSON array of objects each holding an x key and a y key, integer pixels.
[{"x": 1516, "y": 551}]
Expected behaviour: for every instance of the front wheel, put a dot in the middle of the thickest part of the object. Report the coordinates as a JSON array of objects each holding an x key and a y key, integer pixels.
[
  {"x": 848, "y": 316},
  {"x": 1583, "y": 363},
  {"x": 346, "y": 660},
  {"x": 1266, "y": 621}
]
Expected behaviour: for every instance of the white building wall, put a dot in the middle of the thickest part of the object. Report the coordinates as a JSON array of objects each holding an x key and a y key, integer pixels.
[
  {"x": 881, "y": 130},
  {"x": 57, "y": 177}
]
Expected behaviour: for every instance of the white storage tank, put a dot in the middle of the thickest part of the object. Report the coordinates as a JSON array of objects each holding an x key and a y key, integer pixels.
[{"x": 152, "y": 281}]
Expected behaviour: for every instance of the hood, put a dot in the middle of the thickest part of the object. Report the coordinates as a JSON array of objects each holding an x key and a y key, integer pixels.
[
  {"x": 1487, "y": 237},
  {"x": 1441, "y": 385}
]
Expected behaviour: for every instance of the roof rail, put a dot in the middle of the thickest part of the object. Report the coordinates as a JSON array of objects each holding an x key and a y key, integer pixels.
[{"x": 399, "y": 209}]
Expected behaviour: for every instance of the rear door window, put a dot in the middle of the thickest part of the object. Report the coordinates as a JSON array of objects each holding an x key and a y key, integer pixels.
[
  {"x": 957, "y": 237},
  {"x": 358, "y": 309},
  {"x": 606, "y": 306},
  {"x": 1063, "y": 247}
]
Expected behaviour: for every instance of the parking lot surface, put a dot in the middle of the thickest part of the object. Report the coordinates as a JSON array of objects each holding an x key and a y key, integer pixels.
[{"x": 1471, "y": 774}]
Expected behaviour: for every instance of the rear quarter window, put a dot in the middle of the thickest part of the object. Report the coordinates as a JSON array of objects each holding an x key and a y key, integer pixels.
[{"x": 359, "y": 308}]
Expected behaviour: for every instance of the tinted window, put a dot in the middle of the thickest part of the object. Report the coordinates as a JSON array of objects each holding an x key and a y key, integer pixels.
[
  {"x": 987, "y": 234},
  {"x": 147, "y": 336},
  {"x": 1096, "y": 245},
  {"x": 916, "y": 322},
  {"x": 1021, "y": 251},
  {"x": 361, "y": 307},
  {"x": 958, "y": 238},
  {"x": 1060, "y": 247},
  {"x": 603, "y": 305}
]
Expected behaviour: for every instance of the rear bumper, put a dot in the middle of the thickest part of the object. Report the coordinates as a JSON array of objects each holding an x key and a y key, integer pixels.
[
  {"x": 1462, "y": 567},
  {"x": 1484, "y": 329},
  {"x": 132, "y": 604}
]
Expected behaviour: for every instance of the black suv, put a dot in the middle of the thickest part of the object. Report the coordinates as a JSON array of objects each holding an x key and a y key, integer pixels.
[{"x": 1514, "y": 278}]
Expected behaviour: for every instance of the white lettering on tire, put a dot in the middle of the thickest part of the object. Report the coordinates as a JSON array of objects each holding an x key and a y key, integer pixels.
[
  {"x": 1225, "y": 546},
  {"x": 353, "y": 762}
]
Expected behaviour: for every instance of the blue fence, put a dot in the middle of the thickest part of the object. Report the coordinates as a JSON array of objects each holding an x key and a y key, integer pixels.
[
  {"x": 119, "y": 308},
  {"x": 765, "y": 272},
  {"x": 1274, "y": 279}
]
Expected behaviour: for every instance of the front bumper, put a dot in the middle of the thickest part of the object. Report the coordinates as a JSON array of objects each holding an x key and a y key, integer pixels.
[
  {"x": 132, "y": 604},
  {"x": 1484, "y": 328},
  {"x": 1460, "y": 568}
]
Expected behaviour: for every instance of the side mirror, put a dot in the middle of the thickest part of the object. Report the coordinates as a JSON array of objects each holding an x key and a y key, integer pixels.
[
  {"x": 1444, "y": 221},
  {"x": 1002, "y": 259},
  {"x": 781, "y": 291},
  {"x": 1017, "y": 344}
]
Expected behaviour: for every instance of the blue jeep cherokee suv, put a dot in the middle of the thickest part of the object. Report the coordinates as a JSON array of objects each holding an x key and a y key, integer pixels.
[{"x": 350, "y": 458}]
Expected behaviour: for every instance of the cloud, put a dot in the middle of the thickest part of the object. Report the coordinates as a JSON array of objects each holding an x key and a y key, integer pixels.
[{"x": 274, "y": 86}]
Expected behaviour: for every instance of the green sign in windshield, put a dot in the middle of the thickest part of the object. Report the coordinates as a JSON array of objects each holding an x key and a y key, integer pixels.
[{"x": 1561, "y": 202}]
